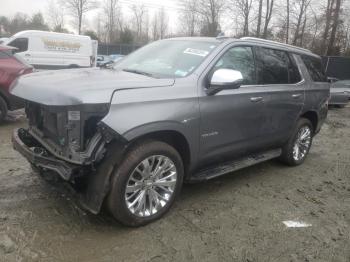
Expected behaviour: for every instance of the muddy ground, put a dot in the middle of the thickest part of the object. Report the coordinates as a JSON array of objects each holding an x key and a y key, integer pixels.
[{"x": 238, "y": 217}]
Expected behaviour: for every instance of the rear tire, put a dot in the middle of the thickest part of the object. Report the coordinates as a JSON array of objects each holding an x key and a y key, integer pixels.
[
  {"x": 146, "y": 184},
  {"x": 3, "y": 109},
  {"x": 297, "y": 148}
]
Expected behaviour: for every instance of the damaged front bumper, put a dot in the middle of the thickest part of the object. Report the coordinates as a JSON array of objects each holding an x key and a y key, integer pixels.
[
  {"x": 98, "y": 179},
  {"x": 37, "y": 155}
]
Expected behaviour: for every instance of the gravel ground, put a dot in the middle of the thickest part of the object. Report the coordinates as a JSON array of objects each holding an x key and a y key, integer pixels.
[{"x": 237, "y": 217}]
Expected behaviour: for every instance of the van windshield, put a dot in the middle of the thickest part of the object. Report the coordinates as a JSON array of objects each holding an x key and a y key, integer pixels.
[{"x": 167, "y": 58}]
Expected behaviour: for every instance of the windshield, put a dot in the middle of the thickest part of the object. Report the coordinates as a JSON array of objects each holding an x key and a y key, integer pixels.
[{"x": 167, "y": 58}]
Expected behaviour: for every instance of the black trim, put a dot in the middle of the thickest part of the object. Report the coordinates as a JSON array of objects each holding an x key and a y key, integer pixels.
[{"x": 22, "y": 142}]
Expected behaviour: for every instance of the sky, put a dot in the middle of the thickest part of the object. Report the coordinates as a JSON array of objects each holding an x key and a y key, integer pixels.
[{"x": 10, "y": 7}]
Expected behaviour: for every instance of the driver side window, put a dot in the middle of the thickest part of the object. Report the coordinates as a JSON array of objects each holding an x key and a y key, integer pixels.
[
  {"x": 240, "y": 58},
  {"x": 20, "y": 43}
]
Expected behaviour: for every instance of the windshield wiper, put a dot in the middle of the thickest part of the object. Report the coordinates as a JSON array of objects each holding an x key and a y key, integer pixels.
[{"x": 135, "y": 71}]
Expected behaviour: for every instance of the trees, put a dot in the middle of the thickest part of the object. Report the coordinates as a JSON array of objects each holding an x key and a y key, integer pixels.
[
  {"x": 258, "y": 28},
  {"x": 301, "y": 20},
  {"x": 335, "y": 20},
  {"x": 268, "y": 15},
  {"x": 112, "y": 21},
  {"x": 77, "y": 9},
  {"x": 189, "y": 18},
  {"x": 288, "y": 21},
  {"x": 140, "y": 15},
  {"x": 210, "y": 12},
  {"x": 92, "y": 34},
  {"x": 243, "y": 8},
  {"x": 37, "y": 22},
  {"x": 22, "y": 22},
  {"x": 55, "y": 15}
]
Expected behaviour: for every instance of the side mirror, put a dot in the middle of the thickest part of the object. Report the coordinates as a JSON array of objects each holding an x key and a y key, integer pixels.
[
  {"x": 224, "y": 79},
  {"x": 332, "y": 79}
]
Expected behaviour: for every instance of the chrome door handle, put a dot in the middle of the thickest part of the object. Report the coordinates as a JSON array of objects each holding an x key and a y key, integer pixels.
[
  {"x": 256, "y": 99},
  {"x": 27, "y": 55},
  {"x": 296, "y": 95}
]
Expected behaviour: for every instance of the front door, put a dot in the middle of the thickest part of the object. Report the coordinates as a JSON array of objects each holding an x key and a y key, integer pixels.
[{"x": 232, "y": 120}]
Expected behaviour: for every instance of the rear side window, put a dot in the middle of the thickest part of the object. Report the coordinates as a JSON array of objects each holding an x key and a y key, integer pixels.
[
  {"x": 294, "y": 75},
  {"x": 315, "y": 68},
  {"x": 273, "y": 66},
  {"x": 20, "y": 43}
]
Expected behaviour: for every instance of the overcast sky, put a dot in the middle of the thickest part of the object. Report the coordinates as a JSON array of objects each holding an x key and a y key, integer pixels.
[{"x": 10, "y": 7}]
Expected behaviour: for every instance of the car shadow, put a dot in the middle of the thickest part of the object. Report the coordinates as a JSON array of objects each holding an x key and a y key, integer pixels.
[{"x": 104, "y": 220}]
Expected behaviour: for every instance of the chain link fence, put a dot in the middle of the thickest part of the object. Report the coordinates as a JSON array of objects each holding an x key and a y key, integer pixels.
[{"x": 122, "y": 49}]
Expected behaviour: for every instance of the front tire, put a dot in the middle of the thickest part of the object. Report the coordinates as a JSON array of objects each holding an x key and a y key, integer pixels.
[
  {"x": 146, "y": 183},
  {"x": 298, "y": 146}
]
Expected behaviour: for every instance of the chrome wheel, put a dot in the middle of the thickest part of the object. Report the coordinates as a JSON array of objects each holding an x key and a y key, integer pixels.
[
  {"x": 302, "y": 143},
  {"x": 151, "y": 185}
]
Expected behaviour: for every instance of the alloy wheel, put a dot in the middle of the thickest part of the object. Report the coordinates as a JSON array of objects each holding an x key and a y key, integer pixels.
[
  {"x": 150, "y": 185},
  {"x": 302, "y": 143}
]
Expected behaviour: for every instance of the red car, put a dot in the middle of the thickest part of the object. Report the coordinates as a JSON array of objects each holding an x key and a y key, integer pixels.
[{"x": 11, "y": 67}]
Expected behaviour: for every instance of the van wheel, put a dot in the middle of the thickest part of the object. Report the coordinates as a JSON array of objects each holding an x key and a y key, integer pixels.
[
  {"x": 145, "y": 185},
  {"x": 298, "y": 146},
  {"x": 3, "y": 109}
]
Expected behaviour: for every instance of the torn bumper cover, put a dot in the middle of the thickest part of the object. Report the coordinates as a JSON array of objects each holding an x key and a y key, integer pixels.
[
  {"x": 37, "y": 155},
  {"x": 98, "y": 180}
]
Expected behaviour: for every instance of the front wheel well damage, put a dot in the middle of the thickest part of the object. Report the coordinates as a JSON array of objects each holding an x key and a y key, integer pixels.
[
  {"x": 99, "y": 182},
  {"x": 174, "y": 139}
]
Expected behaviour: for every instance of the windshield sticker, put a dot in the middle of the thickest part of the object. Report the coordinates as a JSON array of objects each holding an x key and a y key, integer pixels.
[
  {"x": 198, "y": 52},
  {"x": 180, "y": 73}
]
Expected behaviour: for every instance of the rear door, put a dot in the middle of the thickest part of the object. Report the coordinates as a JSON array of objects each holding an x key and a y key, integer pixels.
[{"x": 285, "y": 93}]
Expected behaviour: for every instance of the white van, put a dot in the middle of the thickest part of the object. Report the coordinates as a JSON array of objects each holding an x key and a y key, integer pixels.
[{"x": 50, "y": 50}]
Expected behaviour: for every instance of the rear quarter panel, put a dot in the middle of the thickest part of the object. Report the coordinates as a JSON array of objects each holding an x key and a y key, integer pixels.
[{"x": 316, "y": 97}]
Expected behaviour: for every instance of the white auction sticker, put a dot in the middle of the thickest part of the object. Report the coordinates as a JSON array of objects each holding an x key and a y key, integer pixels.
[
  {"x": 198, "y": 52},
  {"x": 73, "y": 115}
]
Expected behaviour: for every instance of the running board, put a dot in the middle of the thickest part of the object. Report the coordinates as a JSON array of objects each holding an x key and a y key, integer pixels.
[{"x": 228, "y": 167}]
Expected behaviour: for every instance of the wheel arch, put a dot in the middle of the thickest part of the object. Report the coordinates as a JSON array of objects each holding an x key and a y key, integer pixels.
[
  {"x": 312, "y": 116},
  {"x": 172, "y": 137},
  {"x": 99, "y": 183}
]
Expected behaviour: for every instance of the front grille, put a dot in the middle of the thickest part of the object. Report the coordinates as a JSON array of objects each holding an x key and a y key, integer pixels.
[
  {"x": 50, "y": 122},
  {"x": 54, "y": 126},
  {"x": 67, "y": 127}
]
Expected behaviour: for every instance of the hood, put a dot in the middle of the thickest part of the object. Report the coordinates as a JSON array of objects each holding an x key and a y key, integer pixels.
[{"x": 80, "y": 86}]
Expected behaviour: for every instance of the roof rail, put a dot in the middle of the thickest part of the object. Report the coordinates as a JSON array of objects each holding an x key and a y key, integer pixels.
[
  {"x": 222, "y": 36},
  {"x": 276, "y": 43}
]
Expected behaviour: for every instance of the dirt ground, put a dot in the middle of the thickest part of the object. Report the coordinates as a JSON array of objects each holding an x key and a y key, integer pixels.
[{"x": 237, "y": 217}]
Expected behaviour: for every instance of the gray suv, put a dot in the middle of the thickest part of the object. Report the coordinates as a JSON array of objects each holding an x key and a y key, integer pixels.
[{"x": 177, "y": 110}]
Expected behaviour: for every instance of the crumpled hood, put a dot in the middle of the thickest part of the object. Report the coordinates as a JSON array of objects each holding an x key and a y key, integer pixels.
[{"x": 80, "y": 86}]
